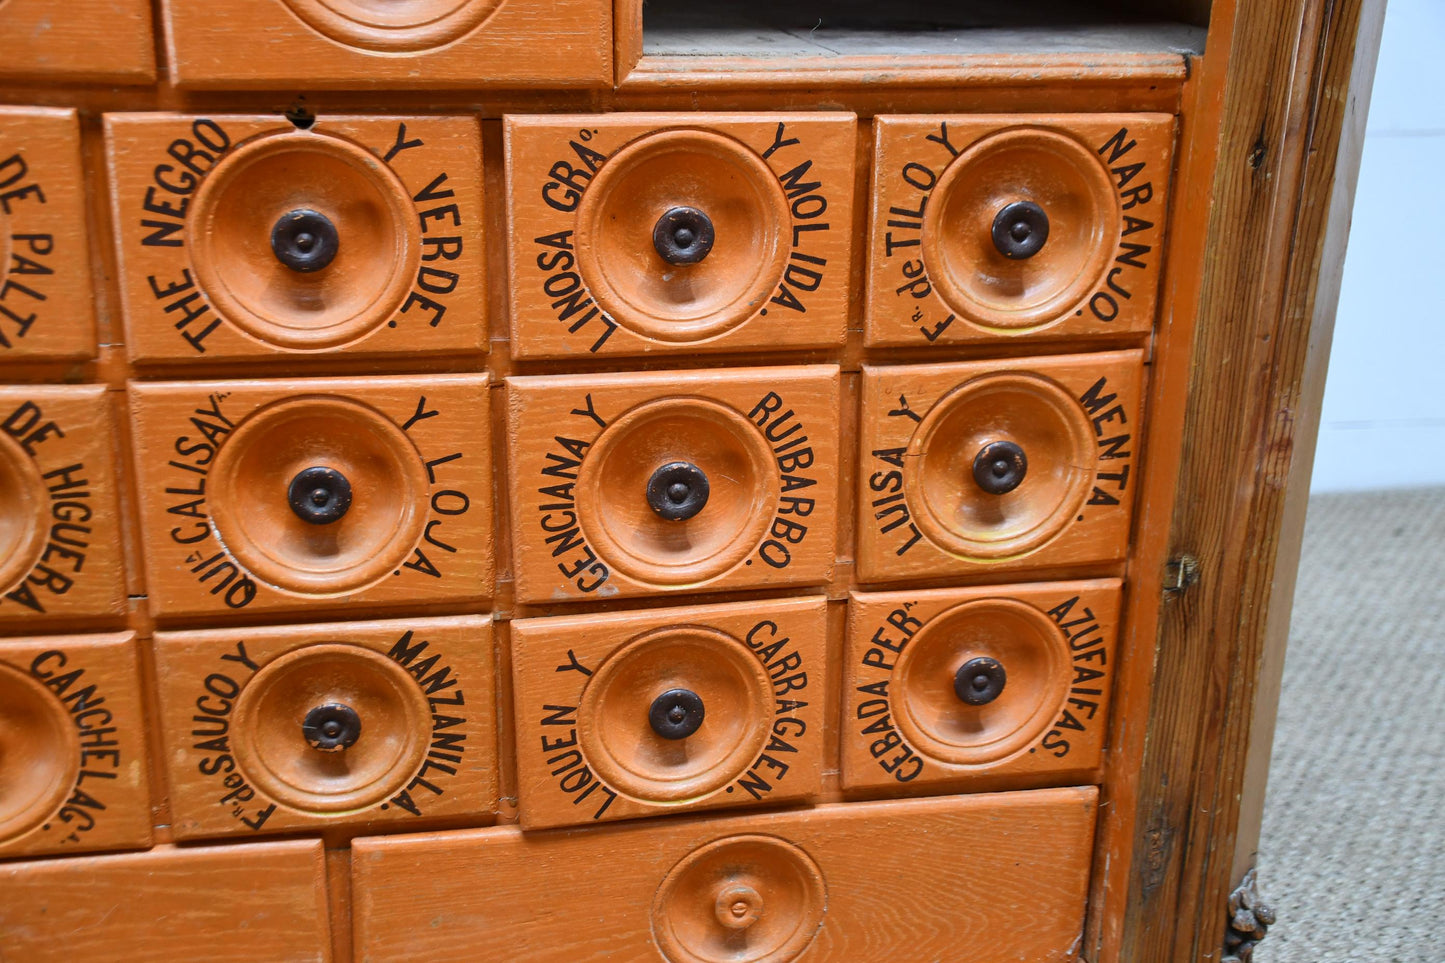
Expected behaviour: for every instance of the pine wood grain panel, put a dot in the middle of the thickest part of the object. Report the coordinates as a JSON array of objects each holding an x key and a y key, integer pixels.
[
  {"x": 1315, "y": 282},
  {"x": 238, "y": 763},
  {"x": 465, "y": 43},
  {"x": 75, "y": 717},
  {"x": 969, "y": 879},
  {"x": 107, "y": 41},
  {"x": 1259, "y": 356},
  {"x": 170, "y": 904},
  {"x": 1162, "y": 445}
]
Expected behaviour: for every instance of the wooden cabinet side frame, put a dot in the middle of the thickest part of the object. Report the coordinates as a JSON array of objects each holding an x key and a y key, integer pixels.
[{"x": 1289, "y": 98}]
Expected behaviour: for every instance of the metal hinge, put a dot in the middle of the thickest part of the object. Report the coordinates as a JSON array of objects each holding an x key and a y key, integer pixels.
[{"x": 1180, "y": 573}]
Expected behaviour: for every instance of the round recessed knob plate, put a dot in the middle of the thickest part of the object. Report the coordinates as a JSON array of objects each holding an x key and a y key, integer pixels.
[
  {"x": 1000, "y": 467},
  {"x": 304, "y": 240},
  {"x": 683, "y": 235},
  {"x": 1020, "y": 230},
  {"x": 319, "y": 495},
  {"x": 677, "y": 491},
  {"x": 979, "y": 681},
  {"x": 327, "y": 689},
  {"x": 332, "y": 727},
  {"x": 740, "y": 898},
  {"x": 676, "y": 714}
]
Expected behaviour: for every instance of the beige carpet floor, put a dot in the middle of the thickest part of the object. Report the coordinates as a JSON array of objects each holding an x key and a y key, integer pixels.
[{"x": 1353, "y": 851}]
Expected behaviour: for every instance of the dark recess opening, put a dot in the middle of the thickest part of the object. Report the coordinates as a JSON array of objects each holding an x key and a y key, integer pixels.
[{"x": 839, "y": 28}]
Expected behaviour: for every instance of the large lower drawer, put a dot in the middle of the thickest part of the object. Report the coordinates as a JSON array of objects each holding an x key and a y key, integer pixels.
[{"x": 967, "y": 879}]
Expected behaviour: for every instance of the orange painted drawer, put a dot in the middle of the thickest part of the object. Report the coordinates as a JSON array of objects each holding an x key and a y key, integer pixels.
[
  {"x": 669, "y": 710},
  {"x": 866, "y": 882},
  {"x": 1016, "y": 226},
  {"x": 979, "y": 688},
  {"x": 379, "y": 724},
  {"x": 639, "y": 234},
  {"x": 997, "y": 465},
  {"x": 286, "y": 44},
  {"x": 106, "y": 41},
  {"x": 46, "y": 307},
  {"x": 60, "y": 538},
  {"x": 72, "y": 737},
  {"x": 237, "y": 904},
  {"x": 315, "y": 495},
  {"x": 669, "y": 482},
  {"x": 243, "y": 238}
]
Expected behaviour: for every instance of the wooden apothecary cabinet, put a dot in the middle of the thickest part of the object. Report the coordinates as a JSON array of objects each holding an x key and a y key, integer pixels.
[{"x": 530, "y": 479}]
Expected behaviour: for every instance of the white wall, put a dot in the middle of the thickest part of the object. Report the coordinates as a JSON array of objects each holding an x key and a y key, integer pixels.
[{"x": 1383, "y": 424}]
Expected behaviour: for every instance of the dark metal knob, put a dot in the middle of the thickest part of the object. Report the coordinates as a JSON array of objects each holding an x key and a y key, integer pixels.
[
  {"x": 677, "y": 491},
  {"x": 319, "y": 495},
  {"x": 304, "y": 240},
  {"x": 1000, "y": 467},
  {"x": 331, "y": 727},
  {"x": 1020, "y": 230},
  {"x": 979, "y": 681},
  {"x": 683, "y": 235},
  {"x": 676, "y": 714}
]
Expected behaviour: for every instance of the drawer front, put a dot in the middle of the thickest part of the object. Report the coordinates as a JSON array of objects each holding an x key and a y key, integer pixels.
[
  {"x": 314, "y": 495},
  {"x": 997, "y": 465},
  {"x": 81, "y": 40},
  {"x": 670, "y": 482},
  {"x": 1016, "y": 226},
  {"x": 644, "y": 713},
  {"x": 47, "y": 310},
  {"x": 60, "y": 539},
  {"x": 273, "y": 44},
  {"x": 243, "y": 238},
  {"x": 72, "y": 735},
  {"x": 980, "y": 688},
  {"x": 678, "y": 233},
  {"x": 386, "y": 725},
  {"x": 832, "y": 883},
  {"x": 237, "y": 904}
]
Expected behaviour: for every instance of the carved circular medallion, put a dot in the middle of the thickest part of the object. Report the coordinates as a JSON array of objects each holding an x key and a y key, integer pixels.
[
  {"x": 615, "y": 724},
  {"x": 22, "y": 513},
  {"x": 667, "y": 293},
  {"x": 1060, "y": 220},
  {"x": 648, "y": 545},
  {"x": 274, "y": 749},
  {"x": 39, "y": 753},
  {"x": 394, "y": 26},
  {"x": 279, "y": 291},
  {"x": 257, "y": 465},
  {"x": 937, "y": 719},
  {"x": 1026, "y": 411},
  {"x": 753, "y": 898}
]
